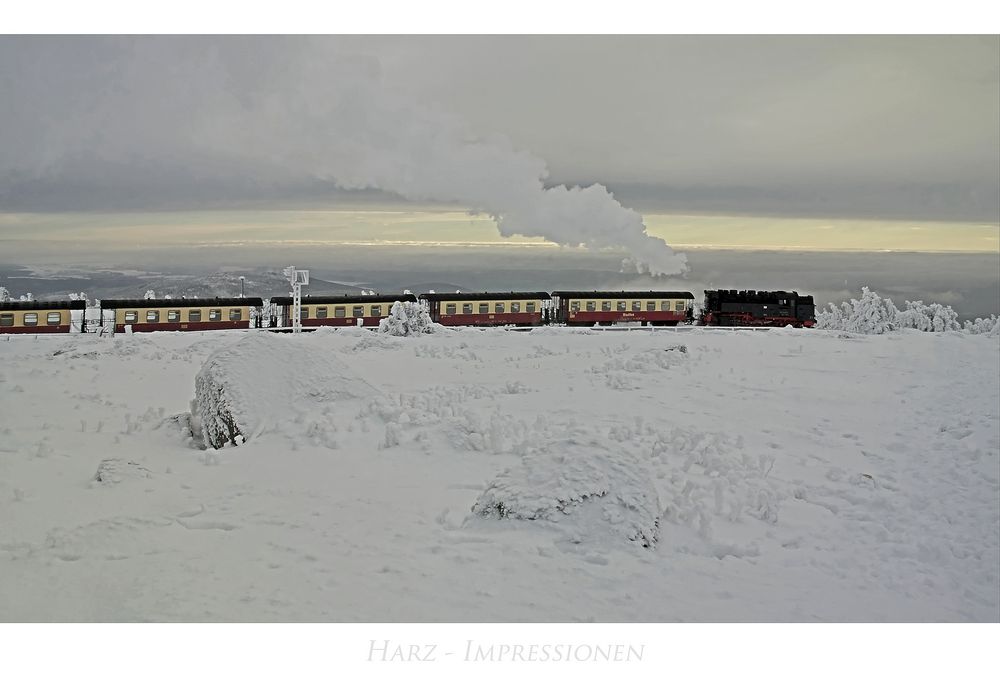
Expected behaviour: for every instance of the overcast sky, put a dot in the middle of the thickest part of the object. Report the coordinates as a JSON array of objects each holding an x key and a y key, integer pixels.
[{"x": 841, "y": 126}]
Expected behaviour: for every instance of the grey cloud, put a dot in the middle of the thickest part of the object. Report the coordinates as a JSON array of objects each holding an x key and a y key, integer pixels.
[
  {"x": 192, "y": 115},
  {"x": 833, "y": 125}
]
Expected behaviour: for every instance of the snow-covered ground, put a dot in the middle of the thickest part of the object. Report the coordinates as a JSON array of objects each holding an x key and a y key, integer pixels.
[{"x": 553, "y": 475}]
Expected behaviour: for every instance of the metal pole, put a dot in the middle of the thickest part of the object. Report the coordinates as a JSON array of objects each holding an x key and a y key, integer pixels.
[{"x": 298, "y": 278}]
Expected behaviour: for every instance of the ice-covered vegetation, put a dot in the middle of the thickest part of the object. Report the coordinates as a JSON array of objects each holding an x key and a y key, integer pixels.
[
  {"x": 874, "y": 315},
  {"x": 581, "y": 483},
  {"x": 406, "y": 319},
  {"x": 267, "y": 382}
]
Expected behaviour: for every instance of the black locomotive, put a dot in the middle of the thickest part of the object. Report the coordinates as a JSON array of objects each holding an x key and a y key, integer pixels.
[{"x": 758, "y": 308}]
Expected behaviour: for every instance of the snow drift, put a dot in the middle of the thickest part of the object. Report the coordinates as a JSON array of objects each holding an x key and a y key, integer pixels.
[{"x": 267, "y": 379}]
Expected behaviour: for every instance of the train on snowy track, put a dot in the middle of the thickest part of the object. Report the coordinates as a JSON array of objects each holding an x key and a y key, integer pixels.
[{"x": 728, "y": 308}]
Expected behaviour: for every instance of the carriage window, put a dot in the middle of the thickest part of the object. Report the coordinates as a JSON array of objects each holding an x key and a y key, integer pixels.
[
  {"x": 31, "y": 319},
  {"x": 215, "y": 315},
  {"x": 131, "y": 317},
  {"x": 194, "y": 315},
  {"x": 484, "y": 308},
  {"x": 304, "y": 313},
  {"x": 235, "y": 314},
  {"x": 340, "y": 312},
  {"x": 529, "y": 307},
  {"x": 53, "y": 319},
  {"x": 665, "y": 306},
  {"x": 376, "y": 310},
  {"x": 321, "y": 312},
  {"x": 515, "y": 307},
  {"x": 592, "y": 306},
  {"x": 679, "y": 306},
  {"x": 173, "y": 315},
  {"x": 606, "y": 306},
  {"x": 637, "y": 305},
  {"x": 6, "y": 319},
  {"x": 450, "y": 309},
  {"x": 499, "y": 308},
  {"x": 358, "y": 311},
  {"x": 622, "y": 305},
  {"x": 574, "y": 306},
  {"x": 466, "y": 308},
  {"x": 650, "y": 306},
  {"x": 153, "y": 316}
]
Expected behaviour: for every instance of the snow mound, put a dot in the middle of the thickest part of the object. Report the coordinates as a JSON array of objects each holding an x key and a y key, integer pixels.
[
  {"x": 266, "y": 379},
  {"x": 579, "y": 486},
  {"x": 114, "y": 470}
]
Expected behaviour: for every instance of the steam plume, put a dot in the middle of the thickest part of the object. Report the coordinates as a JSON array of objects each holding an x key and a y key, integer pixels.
[{"x": 237, "y": 116}]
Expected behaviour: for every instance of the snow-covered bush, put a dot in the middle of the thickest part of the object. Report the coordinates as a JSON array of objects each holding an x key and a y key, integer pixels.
[
  {"x": 150, "y": 295},
  {"x": 988, "y": 326},
  {"x": 583, "y": 487},
  {"x": 4, "y": 294},
  {"x": 407, "y": 318},
  {"x": 933, "y": 317},
  {"x": 874, "y": 315},
  {"x": 871, "y": 315},
  {"x": 265, "y": 382}
]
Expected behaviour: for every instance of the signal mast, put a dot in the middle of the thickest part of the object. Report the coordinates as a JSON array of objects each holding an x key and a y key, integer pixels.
[{"x": 298, "y": 278}]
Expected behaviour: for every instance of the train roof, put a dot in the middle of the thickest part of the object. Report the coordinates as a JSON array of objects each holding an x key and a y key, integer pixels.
[
  {"x": 757, "y": 296},
  {"x": 29, "y": 305},
  {"x": 345, "y": 299},
  {"x": 512, "y": 295},
  {"x": 623, "y": 294},
  {"x": 164, "y": 303}
]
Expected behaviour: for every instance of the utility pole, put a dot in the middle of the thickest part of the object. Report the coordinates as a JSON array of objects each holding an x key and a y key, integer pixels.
[
  {"x": 242, "y": 279},
  {"x": 298, "y": 278}
]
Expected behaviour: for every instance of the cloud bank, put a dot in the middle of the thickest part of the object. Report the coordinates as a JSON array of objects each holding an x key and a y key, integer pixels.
[{"x": 171, "y": 120}]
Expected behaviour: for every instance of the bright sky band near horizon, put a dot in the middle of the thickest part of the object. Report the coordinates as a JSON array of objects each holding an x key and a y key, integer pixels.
[{"x": 443, "y": 227}]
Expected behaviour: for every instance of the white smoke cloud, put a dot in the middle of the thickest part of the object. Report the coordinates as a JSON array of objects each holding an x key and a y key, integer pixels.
[{"x": 176, "y": 114}]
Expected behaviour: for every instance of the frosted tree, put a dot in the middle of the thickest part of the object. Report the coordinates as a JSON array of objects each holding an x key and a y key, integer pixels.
[
  {"x": 4, "y": 294},
  {"x": 407, "y": 318},
  {"x": 871, "y": 315},
  {"x": 988, "y": 326},
  {"x": 830, "y": 320},
  {"x": 150, "y": 295},
  {"x": 934, "y": 317}
]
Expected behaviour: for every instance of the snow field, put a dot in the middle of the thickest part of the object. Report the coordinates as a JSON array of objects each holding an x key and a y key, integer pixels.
[{"x": 696, "y": 476}]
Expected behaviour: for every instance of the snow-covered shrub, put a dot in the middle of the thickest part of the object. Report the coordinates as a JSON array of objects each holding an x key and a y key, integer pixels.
[
  {"x": 579, "y": 486},
  {"x": 933, "y": 317},
  {"x": 874, "y": 315},
  {"x": 988, "y": 326},
  {"x": 407, "y": 318},
  {"x": 115, "y": 470},
  {"x": 4, "y": 294},
  {"x": 265, "y": 382},
  {"x": 150, "y": 295}
]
